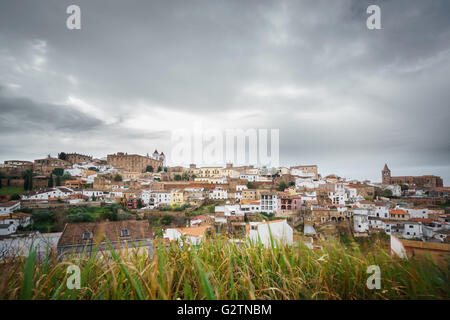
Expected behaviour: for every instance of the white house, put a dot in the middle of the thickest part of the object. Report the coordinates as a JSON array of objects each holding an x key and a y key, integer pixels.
[
  {"x": 308, "y": 183},
  {"x": 190, "y": 235},
  {"x": 251, "y": 206},
  {"x": 360, "y": 222},
  {"x": 249, "y": 177},
  {"x": 412, "y": 230},
  {"x": 161, "y": 198},
  {"x": 46, "y": 194},
  {"x": 269, "y": 202},
  {"x": 230, "y": 210},
  {"x": 352, "y": 192},
  {"x": 95, "y": 193},
  {"x": 417, "y": 213},
  {"x": 9, "y": 206},
  {"x": 218, "y": 194},
  {"x": 278, "y": 230},
  {"x": 380, "y": 211},
  {"x": 7, "y": 229},
  {"x": 19, "y": 219}
]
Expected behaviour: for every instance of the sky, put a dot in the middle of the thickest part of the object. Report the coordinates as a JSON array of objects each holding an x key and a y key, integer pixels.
[{"x": 344, "y": 97}]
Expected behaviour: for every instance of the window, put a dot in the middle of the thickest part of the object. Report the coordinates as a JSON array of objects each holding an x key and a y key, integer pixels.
[
  {"x": 86, "y": 235},
  {"x": 124, "y": 233}
]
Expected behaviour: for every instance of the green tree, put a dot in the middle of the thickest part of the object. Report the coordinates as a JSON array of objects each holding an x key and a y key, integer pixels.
[
  {"x": 15, "y": 196},
  {"x": 159, "y": 169},
  {"x": 67, "y": 176},
  {"x": 58, "y": 181},
  {"x": 167, "y": 219},
  {"x": 282, "y": 186},
  {"x": 177, "y": 177},
  {"x": 185, "y": 176},
  {"x": 250, "y": 185},
  {"x": 149, "y": 169},
  {"x": 117, "y": 177},
  {"x": 291, "y": 183},
  {"x": 62, "y": 156},
  {"x": 58, "y": 171},
  {"x": 0, "y": 182},
  {"x": 28, "y": 180},
  {"x": 404, "y": 187},
  {"x": 387, "y": 193},
  {"x": 50, "y": 181}
]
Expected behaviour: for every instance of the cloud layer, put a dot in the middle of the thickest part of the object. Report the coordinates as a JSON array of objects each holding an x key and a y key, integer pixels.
[{"x": 344, "y": 97}]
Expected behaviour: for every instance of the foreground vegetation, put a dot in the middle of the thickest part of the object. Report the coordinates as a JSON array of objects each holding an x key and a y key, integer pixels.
[{"x": 221, "y": 270}]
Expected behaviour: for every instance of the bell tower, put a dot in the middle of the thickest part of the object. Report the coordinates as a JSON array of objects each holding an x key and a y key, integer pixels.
[{"x": 386, "y": 175}]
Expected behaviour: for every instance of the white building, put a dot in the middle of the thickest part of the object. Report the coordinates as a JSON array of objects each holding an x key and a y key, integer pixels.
[
  {"x": 7, "y": 229},
  {"x": 279, "y": 231},
  {"x": 9, "y": 207},
  {"x": 412, "y": 230},
  {"x": 417, "y": 213},
  {"x": 230, "y": 210},
  {"x": 379, "y": 211},
  {"x": 189, "y": 235},
  {"x": 46, "y": 194},
  {"x": 268, "y": 203},
  {"x": 218, "y": 194},
  {"x": 360, "y": 222}
]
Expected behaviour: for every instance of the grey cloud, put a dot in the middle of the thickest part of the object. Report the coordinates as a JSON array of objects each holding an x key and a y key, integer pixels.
[
  {"x": 26, "y": 115},
  {"x": 371, "y": 96}
]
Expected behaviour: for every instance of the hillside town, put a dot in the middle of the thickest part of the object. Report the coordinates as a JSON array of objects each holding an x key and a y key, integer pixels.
[{"x": 66, "y": 201}]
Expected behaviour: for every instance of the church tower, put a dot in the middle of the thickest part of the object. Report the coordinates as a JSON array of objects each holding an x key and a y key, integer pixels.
[{"x": 386, "y": 175}]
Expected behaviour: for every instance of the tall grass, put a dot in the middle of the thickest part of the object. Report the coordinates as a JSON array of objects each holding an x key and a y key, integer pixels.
[{"x": 218, "y": 269}]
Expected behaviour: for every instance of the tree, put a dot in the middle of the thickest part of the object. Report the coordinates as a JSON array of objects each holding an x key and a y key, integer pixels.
[
  {"x": 8, "y": 182},
  {"x": 117, "y": 177},
  {"x": 58, "y": 171},
  {"x": 250, "y": 185},
  {"x": 282, "y": 186},
  {"x": 58, "y": 181},
  {"x": 167, "y": 219},
  {"x": 149, "y": 169},
  {"x": 177, "y": 177},
  {"x": 185, "y": 176},
  {"x": 165, "y": 169},
  {"x": 291, "y": 183},
  {"x": 67, "y": 176},
  {"x": 15, "y": 196},
  {"x": 27, "y": 179},
  {"x": 0, "y": 182},
  {"x": 62, "y": 156},
  {"x": 159, "y": 169},
  {"x": 50, "y": 181},
  {"x": 139, "y": 203},
  {"x": 387, "y": 193},
  {"x": 404, "y": 187}
]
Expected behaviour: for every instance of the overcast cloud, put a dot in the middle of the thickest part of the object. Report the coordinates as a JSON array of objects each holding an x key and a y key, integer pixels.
[{"x": 344, "y": 97}]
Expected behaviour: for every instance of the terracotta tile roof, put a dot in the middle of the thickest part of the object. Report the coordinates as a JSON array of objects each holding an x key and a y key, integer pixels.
[
  {"x": 193, "y": 231},
  {"x": 73, "y": 232},
  {"x": 423, "y": 220},
  {"x": 398, "y": 211}
]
